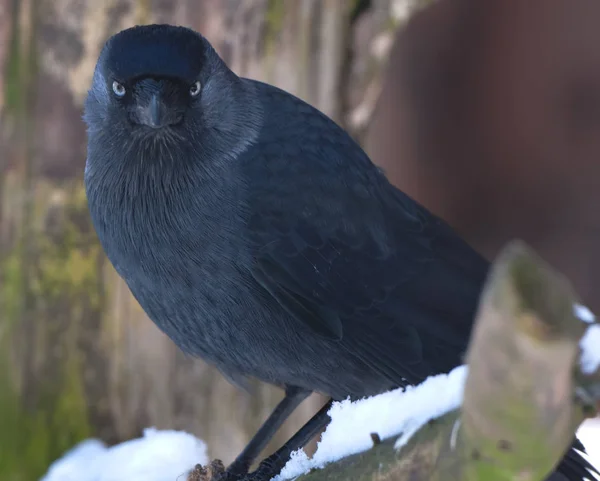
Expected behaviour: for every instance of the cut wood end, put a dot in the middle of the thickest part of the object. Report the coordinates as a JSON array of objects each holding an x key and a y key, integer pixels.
[
  {"x": 521, "y": 358},
  {"x": 541, "y": 297}
]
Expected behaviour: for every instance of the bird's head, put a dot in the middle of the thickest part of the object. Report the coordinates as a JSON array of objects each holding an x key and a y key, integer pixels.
[{"x": 157, "y": 88}]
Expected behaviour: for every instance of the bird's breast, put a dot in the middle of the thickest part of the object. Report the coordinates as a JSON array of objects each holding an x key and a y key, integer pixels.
[
  {"x": 166, "y": 240},
  {"x": 182, "y": 267}
]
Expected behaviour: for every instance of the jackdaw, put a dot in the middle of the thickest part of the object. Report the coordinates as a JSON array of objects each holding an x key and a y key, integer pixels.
[{"x": 260, "y": 237}]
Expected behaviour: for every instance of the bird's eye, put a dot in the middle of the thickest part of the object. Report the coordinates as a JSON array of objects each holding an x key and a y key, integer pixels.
[
  {"x": 195, "y": 88},
  {"x": 118, "y": 89}
]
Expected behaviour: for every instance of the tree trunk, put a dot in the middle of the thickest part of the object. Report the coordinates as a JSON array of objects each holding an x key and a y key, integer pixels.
[
  {"x": 490, "y": 117},
  {"x": 78, "y": 355}
]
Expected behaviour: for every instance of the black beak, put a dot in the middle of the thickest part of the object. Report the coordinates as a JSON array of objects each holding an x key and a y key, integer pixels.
[
  {"x": 153, "y": 113},
  {"x": 156, "y": 114}
]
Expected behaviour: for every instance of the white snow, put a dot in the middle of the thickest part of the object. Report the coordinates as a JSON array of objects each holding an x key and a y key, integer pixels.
[
  {"x": 170, "y": 455},
  {"x": 157, "y": 456},
  {"x": 590, "y": 349},
  {"x": 590, "y": 342},
  {"x": 402, "y": 412},
  {"x": 584, "y": 313},
  {"x": 396, "y": 413}
]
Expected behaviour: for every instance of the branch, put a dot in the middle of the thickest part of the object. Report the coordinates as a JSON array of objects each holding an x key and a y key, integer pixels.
[{"x": 525, "y": 394}]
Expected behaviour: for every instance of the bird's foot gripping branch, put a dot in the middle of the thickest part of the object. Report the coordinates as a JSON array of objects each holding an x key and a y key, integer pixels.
[{"x": 532, "y": 377}]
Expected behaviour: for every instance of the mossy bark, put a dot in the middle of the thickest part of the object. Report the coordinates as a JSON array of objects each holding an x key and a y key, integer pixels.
[
  {"x": 78, "y": 356},
  {"x": 42, "y": 404}
]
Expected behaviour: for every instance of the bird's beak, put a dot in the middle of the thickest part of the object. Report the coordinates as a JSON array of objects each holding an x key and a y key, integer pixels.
[
  {"x": 152, "y": 114},
  {"x": 156, "y": 114},
  {"x": 155, "y": 111}
]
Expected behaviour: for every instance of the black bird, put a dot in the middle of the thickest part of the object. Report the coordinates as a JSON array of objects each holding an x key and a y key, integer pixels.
[{"x": 260, "y": 237}]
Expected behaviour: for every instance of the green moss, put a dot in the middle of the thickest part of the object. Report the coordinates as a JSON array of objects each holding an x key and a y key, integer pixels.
[
  {"x": 43, "y": 314},
  {"x": 529, "y": 447},
  {"x": 21, "y": 66},
  {"x": 48, "y": 289},
  {"x": 274, "y": 17},
  {"x": 143, "y": 12},
  {"x": 31, "y": 438},
  {"x": 12, "y": 282}
]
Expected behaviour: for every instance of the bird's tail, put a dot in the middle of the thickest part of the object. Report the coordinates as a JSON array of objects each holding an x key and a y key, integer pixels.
[{"x": 574, "y": 466}]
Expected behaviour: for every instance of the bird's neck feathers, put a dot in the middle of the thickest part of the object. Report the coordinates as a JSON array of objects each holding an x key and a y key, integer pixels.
[
  {"x": 139, "y": 183},
  {"x": 142, "y": 208},
  {"x": 168, "y": 185},
  {"x": 196, "y": 157}
]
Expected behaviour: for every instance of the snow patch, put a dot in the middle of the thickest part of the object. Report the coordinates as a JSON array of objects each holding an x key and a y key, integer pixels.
[
  {"x": 157, "y": 456},
  {"x": 400, "y": 413}
]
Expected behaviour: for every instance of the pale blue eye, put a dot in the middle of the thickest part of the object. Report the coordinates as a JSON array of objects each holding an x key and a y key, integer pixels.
[
  {"x": 118, "y": 89},
  {"x": 195, "y": 88}
]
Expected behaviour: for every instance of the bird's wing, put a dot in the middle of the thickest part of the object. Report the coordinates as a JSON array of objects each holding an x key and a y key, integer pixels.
[{"x": 356, "y": 260}]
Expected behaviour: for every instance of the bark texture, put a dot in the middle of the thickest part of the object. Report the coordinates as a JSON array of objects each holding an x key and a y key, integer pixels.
[{"x": 78, "y": 357}]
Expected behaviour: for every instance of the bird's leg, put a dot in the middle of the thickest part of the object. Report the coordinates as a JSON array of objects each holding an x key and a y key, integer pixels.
[
  {"x": 272, "y": 465},
  {"x": 293, "y": 397}
]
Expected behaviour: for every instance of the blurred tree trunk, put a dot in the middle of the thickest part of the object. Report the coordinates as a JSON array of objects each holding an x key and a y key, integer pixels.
[
  {"x": 490, "y": 116},
  {"x": 78, "y": 357}
]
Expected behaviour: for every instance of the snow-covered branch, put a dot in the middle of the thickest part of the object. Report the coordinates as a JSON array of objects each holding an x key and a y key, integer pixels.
[{"x": 533, "y": 376}]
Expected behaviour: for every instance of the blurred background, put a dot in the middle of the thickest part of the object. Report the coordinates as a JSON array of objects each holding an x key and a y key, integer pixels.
[{"x": 487, "y": 112}]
